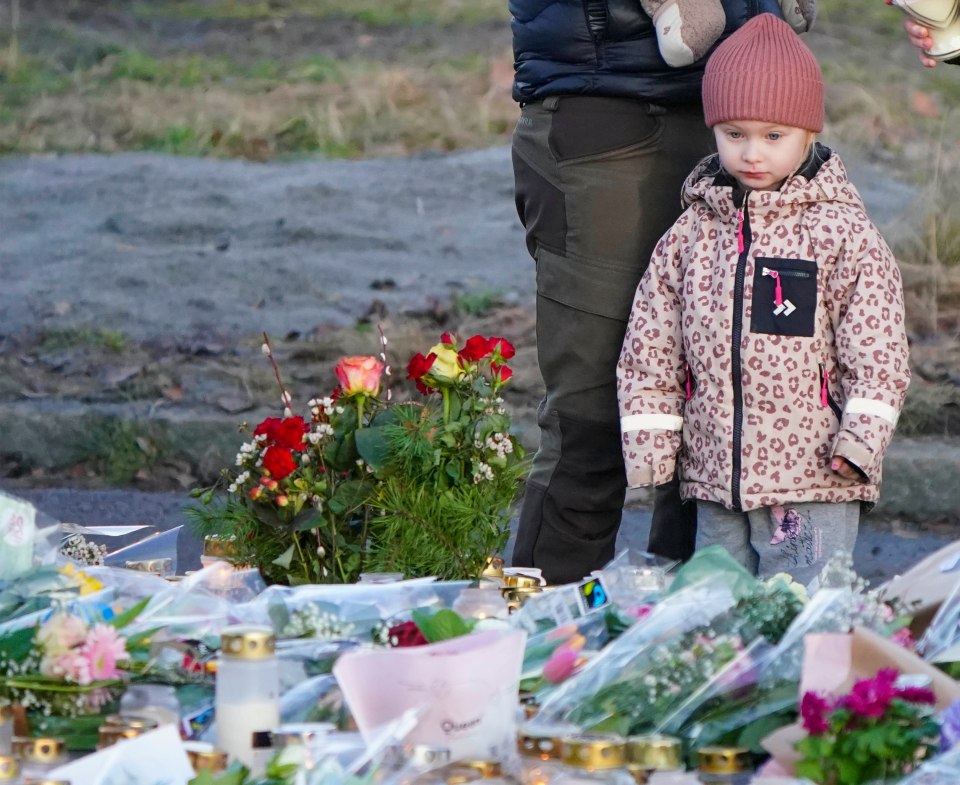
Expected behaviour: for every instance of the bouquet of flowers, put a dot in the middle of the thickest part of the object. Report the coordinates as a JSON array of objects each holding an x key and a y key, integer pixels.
[
  {"x": 878, "y": 732},
  {"x": 368, "y": 483},
  {"x": 70, "y": 667}
]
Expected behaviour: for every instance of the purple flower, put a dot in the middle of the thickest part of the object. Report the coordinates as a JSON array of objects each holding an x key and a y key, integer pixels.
[
  {"x": 813, "y": 712},
  {"x": 950, "y": 727}
]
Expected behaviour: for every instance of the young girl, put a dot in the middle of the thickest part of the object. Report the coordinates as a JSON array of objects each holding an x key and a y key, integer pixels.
[{"x": 767, "y": 343}]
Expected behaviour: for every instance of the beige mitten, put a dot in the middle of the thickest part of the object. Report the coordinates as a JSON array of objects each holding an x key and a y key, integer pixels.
[
  {"x": 799, "y": 14},
  {"x": 686, "y": 29}
]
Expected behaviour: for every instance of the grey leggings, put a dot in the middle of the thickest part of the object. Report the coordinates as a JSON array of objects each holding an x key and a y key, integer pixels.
[{"x": 797, "y": 538}]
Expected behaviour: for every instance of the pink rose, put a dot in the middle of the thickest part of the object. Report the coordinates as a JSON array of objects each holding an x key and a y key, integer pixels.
[
  {"x": 60, "y": 633},
  {"x": 359, "y": 375},
  {"x": 561, "y": 665}
]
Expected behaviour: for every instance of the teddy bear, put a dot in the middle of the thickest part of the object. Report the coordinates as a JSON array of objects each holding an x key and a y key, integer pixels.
[{"x": 686, "y": 29}]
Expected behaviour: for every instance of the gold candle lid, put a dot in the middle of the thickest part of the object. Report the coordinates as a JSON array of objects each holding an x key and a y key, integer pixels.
[
  {"x": 205, "y": 757},
  {"x": 593, "y": 751},
  {"x": 461, "y": 776},
  {"x": 247, "y": 642},
  {"x": 155, "y": 566},
  {"x": 655, "y": 752},
  {"x": 220, "y": 547},
  {"x": 130, "y": 721},
  {"x": 108, "y": 735},
  {"x": 521, "y": 582},
  {"x": 43, "y": 749},
  {"x": 724, "y": 760},
  {"x": 9, "y": 768},
  {"x": 494, "y": 568},
  {"x": 300, "y": 733},
  {"x": 486, "y": 768},
  {"x": 536, "y": 745}
]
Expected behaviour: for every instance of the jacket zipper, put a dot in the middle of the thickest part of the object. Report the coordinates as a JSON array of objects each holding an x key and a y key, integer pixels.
[
  {"x": 743, "y": 246},
  {"x": 826, "y": 400}
]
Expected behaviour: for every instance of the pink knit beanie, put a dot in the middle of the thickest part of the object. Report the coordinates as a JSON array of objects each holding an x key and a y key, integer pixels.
[{"x": 764, "y": 72}]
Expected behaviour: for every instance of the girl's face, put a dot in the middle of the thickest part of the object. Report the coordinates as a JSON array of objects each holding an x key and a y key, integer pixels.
[{"x": 761, "y": 155}]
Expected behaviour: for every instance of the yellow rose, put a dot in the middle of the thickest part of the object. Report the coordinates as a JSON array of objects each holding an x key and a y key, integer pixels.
[{"x": 447, "y": 365}]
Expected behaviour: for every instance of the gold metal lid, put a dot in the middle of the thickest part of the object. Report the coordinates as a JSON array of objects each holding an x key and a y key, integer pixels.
[
  {"x": 247, "y": 642},
  {"x": 130, "y": 721},
  {"x": 205, "y": 757},
  {"x": 108, "y": 735},
  {"x": 458, "y": 776},
  {"x": 724, "y": 760},
  {"x": 655, "y": 752},
  {"x": 521, "y": 582},
  {"x": 9, "y": 768},
  {"x": 593, "y": 751},
  {"x": 219, "y": 547},
  {"x": 486, "y": 768},
  {"x": 494, "y": 568},
  {"x": 155, "y": 566},
  {"x": 295, "y": 733},
  {"x": 42, "y": 749}
]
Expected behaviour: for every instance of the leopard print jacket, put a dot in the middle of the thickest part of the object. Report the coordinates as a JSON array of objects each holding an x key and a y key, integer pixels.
[{"x": 765, "y": 338}]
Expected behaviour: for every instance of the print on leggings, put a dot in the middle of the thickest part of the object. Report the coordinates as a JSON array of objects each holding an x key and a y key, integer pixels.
[{"x": 799, "y": 541}]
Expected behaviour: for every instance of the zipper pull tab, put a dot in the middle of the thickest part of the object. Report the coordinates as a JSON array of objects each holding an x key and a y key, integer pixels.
[
  {"x": 740, "y": 230},
  {"x": 689, "y": 386},
  {"x": 823, "y": 387},
  {"x": 778, "y": 290}
]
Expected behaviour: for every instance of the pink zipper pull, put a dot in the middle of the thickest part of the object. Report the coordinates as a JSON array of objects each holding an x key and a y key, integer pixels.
[
  {"x": 823, "y": 388},
  {"x": 740, "y": 230},
  {"x": 778, "y": 291},
  {"x": 689, "y": 388}
]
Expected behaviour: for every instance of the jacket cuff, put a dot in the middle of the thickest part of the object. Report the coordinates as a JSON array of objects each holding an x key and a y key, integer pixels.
[
  {"x": 849, "y": 447},
  {"x": 650, "y": 457}
]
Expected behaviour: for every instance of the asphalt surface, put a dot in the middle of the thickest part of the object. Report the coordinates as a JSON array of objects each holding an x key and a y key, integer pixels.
[{"x": 884, "y": 548}]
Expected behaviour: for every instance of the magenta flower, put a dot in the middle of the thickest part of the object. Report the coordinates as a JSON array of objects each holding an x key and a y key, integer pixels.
[
  {"x": 561, "y": 665},
  {"x": 917, "y": 695},
  {"x": 871, "y": 697},
  {"x": 813, "y": 713}
]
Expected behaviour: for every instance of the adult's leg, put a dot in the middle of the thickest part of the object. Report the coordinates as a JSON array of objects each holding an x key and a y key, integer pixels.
[
  {"x": 598, "y": 182},
  {"x": 799, "y": 539}
]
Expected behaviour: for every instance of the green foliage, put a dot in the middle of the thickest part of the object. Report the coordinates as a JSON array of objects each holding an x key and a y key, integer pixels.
[
  {"x": 479, "y": 303},
  {"x": 856, "y": 750},
  {"x": 58, "y": 340},
  {"x": 442, "y": 625}
]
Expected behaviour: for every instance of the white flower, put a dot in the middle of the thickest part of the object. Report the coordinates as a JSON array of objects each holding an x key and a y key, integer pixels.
[{"x": 265, "y": 348}]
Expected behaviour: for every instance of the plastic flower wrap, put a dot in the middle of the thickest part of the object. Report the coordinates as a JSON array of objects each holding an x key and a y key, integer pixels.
[
  {"x": 69, "y": 666},
  {"x": 633, "y": 679}
]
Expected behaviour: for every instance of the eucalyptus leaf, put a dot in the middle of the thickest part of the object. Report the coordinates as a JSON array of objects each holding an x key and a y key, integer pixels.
[{"x": 374, "y": 447}]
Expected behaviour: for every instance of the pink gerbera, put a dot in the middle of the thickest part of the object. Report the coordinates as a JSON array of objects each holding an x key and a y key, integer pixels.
[{"x": 103, "y": 649}]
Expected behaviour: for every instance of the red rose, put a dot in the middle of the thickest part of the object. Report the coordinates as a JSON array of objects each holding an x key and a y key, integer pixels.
[
  {"x": 289, "y": 433},
  {"x": 420, "y": 365},
  {"x": 267, "y": 428},
  {"x": 503, "y": 347},
  {"x": 476, "y": 348},
  {"x": 500, "y": 372},
  {"x": 406, "y": 634},
  {"x": 279, "y": 462},
  {"x": 448, "y": 338}
]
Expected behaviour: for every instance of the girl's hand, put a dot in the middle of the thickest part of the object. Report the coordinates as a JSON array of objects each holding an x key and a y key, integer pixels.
[
  {"x": 919, "y": 36},
  {"x": 845, "y": 469}
]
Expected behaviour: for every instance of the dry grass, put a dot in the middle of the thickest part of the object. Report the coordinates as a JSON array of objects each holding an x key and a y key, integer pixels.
[{"x": 363, "y": 110}]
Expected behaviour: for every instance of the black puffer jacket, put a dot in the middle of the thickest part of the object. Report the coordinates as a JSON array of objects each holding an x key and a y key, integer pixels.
[{"x": 604, "y": 47}]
